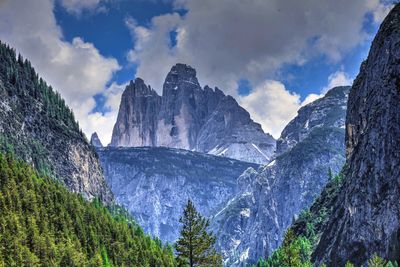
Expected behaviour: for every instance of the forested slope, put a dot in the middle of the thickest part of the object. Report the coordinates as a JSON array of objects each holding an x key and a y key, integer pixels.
[{"x": 43, "y": 224}]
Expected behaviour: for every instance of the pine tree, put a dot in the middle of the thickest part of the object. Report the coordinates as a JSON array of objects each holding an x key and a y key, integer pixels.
[
  {"x": 195, "y": 247},
  {"x": 377, "y": 261}
]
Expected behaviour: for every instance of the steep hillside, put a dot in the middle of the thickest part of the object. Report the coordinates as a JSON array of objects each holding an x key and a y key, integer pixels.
[
  {"x": 43, "y": 224},
  {"x": 38, "y": 127},
  {"x": 252, "y": 224},
  {"x": 154, "y": 184},
  {"x": 366, "y": 217},
  {"x": 189, "y": 117}
]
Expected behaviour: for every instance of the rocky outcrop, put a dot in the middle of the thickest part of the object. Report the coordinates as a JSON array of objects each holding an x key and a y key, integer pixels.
[
  {"x": 137, "y": 117},
  {"x": 37, "y": 126},
  {"x": 329, "y": 111},
  {"x": 366, "y": 217},
  {"x": 95, "y": 140},
  {"x": 154, "y": 184},
  {"x": 251, "y": 225},
  {"x": 189, "y": 117}
]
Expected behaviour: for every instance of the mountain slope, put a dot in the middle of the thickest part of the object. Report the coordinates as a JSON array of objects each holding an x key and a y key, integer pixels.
[
  {"x": 37, "y": 126},
  {"x": 189, "y": 117},
  {"x": 42, "y": 224},
  {"x": 154, "y": 184},
  {"x": 251, "y": 225},
  {"x": 366, "y": 215}
]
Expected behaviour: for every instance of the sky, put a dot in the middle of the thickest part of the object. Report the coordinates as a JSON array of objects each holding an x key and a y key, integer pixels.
[{"x": 273, "y": 56}]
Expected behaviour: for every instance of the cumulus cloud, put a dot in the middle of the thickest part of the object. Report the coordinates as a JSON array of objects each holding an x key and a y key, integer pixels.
[
  {"x": 379, "y": 11},
  {"x": 311, "y": 98},
  {"x": 272, "y": 105},
  {"x": 339, "y": 78},
  {"x": 102, "y": 123},
  {"x": 76, "y": 69},
  {"x": 227, "y": 40},
  {"x": 77, "y": 6}
]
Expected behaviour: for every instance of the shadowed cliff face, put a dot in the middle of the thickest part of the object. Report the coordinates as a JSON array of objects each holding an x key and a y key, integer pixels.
[
  {"x": 154, "y": 184},
  {"x": 251, "y": 225},
  {"x": 366, "y": 217},
  {"x": 189, "y": 117}
]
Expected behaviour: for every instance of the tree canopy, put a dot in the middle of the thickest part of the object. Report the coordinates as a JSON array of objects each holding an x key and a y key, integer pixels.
[
  {"x": 43, "y": 224},
  {"x": 195, "y": 247}
]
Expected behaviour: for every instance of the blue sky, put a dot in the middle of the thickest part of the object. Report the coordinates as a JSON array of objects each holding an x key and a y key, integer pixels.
[
  {"x": 107, "y": 30},
  {"x": 270, "y": 55}
]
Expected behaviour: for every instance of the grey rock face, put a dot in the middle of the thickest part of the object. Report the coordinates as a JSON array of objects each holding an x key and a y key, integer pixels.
[
  {"x": 95, "y": 140},
  {"x": 189, "y": 117},
  {"x": 328, "y": 111},
  {"x": 252, "y": 224},
  {"x": 49, "y": 143},
  {"x": 154, "y": 184},
  {"x": 230, "y": 132},
  {"x": 366, "y": 217},
  {"x": 137, "y": 116}
]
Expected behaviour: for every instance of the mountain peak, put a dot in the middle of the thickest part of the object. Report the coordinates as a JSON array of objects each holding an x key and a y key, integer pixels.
[
  {"x": 181, "y": 76},
  {"x": 95, "y": 140},
  {"x": 189, "y": 117},
  {"x": 181, "y": 68},
  {"x": 328, "y": 111}
]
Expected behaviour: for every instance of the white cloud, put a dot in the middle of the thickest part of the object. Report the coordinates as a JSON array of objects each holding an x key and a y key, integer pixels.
[
  {"x": 76, "y": 69},
  {"x": 339, "y": 78},
  {"x": 311, "y": 98},
  {"x": 227, "y": 40},
  {"x": 102, "y": 123},
  {"x": 77, "y": 6},
  {"x": 379, "y": 11},
  {"x": 271, "y": 105}
]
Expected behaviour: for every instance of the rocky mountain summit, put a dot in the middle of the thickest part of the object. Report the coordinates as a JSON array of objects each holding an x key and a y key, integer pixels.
[
  {"x": 366, "y": 215},
  {"x": 154, "y": 183},
  {"x": 37, "y": 127},
  {"x": 95, "y": 140},
  {"x": 252, "y": 223},
  {"x": 190, "y": 117},
  {"x": 326, "y": 112}
]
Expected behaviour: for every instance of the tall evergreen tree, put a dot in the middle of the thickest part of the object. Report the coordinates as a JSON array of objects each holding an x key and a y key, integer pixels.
[{"x": 195, "y": 247}]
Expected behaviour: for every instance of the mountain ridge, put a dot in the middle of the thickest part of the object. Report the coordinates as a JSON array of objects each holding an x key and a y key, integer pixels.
[
  {"x": 252, "y": 223},
  {"x": 154, "y": 183},
  {"x": 190, "y": 117}
]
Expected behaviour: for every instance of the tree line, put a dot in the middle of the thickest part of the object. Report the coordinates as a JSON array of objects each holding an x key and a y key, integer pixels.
[{"x": 43, "y": 224}]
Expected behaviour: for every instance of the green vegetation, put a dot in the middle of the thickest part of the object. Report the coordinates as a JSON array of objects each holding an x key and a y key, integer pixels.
[
  {"x": 42, "y": 224},
  {"x": 294, "y": 252},
  {"x": 313, "y": 220},
  {"x": 301, "y": 239},
  {"x": 303, "y": 236},
  {"x": 33, "y": 116},
  {"x": 195, "y": 247},
  {"x": 20, "y": 79}
]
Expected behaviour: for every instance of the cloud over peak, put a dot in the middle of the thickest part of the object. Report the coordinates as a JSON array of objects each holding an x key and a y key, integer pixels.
[{"x": 227, "y": 40}]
